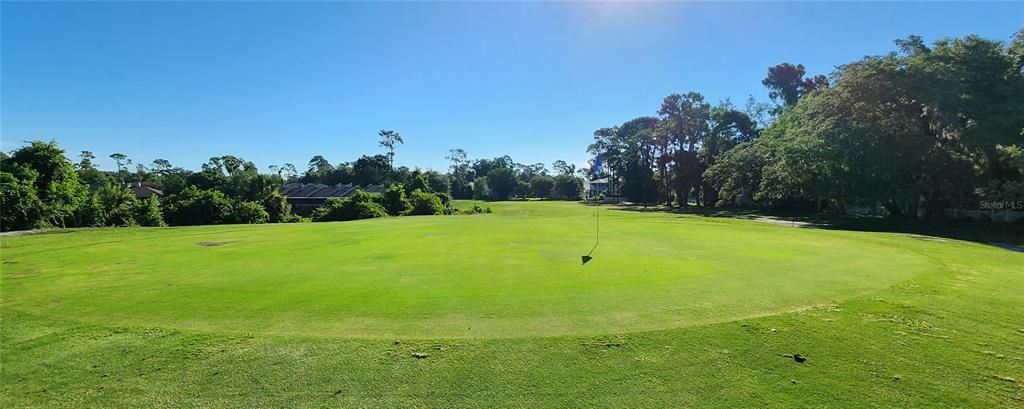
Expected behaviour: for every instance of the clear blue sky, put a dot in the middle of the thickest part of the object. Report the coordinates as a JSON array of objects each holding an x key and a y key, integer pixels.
[{"x": 281, "y": 82}]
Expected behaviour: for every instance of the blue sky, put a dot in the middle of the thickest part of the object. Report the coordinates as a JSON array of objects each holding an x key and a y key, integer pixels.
[{"x": 281, "y": 82}]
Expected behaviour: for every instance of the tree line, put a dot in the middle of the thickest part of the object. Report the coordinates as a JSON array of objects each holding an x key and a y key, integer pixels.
[
  {"x": 41, "y": 187},
  {"x": 909, "y": 133}
]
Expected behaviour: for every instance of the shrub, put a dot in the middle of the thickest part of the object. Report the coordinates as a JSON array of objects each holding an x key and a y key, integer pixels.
[
  {"x": 476, "y": 209},
  {"x": 395, "y": 201},
  {"x": 117, "y": 204},
  {"x": 243, "y": 212},
  {"x": 192, "y": 207},
  {"x": 426, "y": 203},
  {"x": 361, "y": 205},
  {"x": 277, "y": 207},
  {"x": 446, "y": 203},
  {"x": 420, "y": 182},
  {"x": 20, "y": 207},
  {"x": 147, "y": 213}
]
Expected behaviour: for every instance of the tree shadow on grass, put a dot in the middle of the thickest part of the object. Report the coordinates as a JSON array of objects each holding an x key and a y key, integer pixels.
[{"x": 1009, "y": 236}]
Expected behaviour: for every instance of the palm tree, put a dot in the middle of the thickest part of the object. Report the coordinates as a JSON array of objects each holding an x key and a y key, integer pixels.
[{"x": 388, "y": 139}]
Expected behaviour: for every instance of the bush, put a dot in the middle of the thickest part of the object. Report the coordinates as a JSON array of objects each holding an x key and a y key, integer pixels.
[
  {"x": 420, "y": 182},
  {"x": 476, "y": 209},
  {"x": 20, "y": 207},
  {"x": 117, "y": 205},
  {"x": 193, "y": 207},
  {"x": 248, "y": 213},
  {"x": 147, "y": 213},
  {"x": 446, "y": 202},
  {"x": 395, "y": 201},
  {"x": 361, "y": 205},
  {"x": 277, "y": 207},
  {"x": 426, "y": 203}
]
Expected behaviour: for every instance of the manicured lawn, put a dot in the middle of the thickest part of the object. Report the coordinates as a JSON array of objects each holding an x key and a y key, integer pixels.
[{"x": 673, "y": 311}]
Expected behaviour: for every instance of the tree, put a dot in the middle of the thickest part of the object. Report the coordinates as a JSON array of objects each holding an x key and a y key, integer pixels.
[
  {"x": 20, "y": 207},
  {"x": 480, "y": 189},
  {"x": 277, "y": 207},
  {"x": 684, "y": 127},
  {"x": 542, "y": 186},
  {"x": 120, "y": 159},
  {"x": 319, "y": 168},
  {"x": 161, "y": 166},
  {"x": 197, "y": 207},
  {"x": 395, "y": 201},
  {"x": 629, "y": 152},
  {"x": 425, "y": 203},
  {"x": 118, "y": 205},
  {"x": 147, "y": 213},
  {"x": 370, "y": 170},
  {"x": 564, "y": 167},
  {"x": 56, "y": 183},
  {"x": 420, "y": 182},
  {"x": 86, "y": 161},
  {"x": 245, "y": 212},
  {"x": 460, "y": 163},
  {"x": 568, "y": 187},
  {"x": 729, "y": 127},
  {"x": 786, "y": 82},
  {"x": 915, "y": 131},
  {"x": 459, "y": 171},
  {"x": 500, "y": 182},
  {"x": 361, "y": 205},
  {"x": 288, "y": 172},
  {"x": 522, "y": 189},
  {"x": 87, "y": 171},
  {"x": 438, "y": 183},
  {"x": 481, "y": 167},
  {"x": 389, "y": 139}
]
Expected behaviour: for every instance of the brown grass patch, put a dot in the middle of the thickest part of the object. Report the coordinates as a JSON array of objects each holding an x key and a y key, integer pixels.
[{"x": 214, "y": 243}]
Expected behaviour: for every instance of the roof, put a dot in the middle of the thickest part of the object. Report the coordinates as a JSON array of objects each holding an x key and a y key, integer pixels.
[
  {"x": 144, "y": 192},
  {"x": 321, "y": 191},
  {"x": 588, "y": 183}
]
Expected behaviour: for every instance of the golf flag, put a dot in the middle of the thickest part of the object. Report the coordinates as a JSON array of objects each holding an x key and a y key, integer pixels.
[{"x": 597, "y": 165}]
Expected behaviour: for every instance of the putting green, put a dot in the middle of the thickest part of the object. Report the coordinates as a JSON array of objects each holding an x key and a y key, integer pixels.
[{"x": 513, "y": 273}]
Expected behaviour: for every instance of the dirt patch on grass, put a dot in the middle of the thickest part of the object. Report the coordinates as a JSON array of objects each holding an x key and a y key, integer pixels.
[
  {"x": 21, "y": 274},
  {"x": 214, "y": 243}
]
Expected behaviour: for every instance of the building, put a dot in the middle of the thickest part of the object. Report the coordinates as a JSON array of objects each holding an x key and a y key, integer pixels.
[
  {"x": 306, "y": 197},
  {"x": 600, "y": 188},
  {"x": 143, "y": 192}
]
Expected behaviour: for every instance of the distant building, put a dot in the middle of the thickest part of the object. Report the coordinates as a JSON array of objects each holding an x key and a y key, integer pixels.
[
  {"x": 143, "y": 192},
  {"x": 598, "y": 187},
  {"x": 306, "y": 197}
]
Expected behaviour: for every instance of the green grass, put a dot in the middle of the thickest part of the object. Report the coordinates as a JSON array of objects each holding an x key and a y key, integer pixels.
[{"x": 674, "y": 310}]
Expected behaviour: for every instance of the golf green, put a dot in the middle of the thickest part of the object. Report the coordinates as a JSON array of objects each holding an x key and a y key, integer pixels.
[
  {"x": 514, "y": 273},
  {"x": 496, "y": 310}
]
